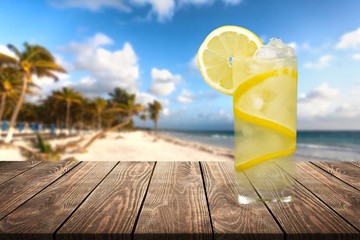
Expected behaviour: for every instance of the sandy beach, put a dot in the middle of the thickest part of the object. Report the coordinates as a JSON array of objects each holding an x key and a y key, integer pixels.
[{"x": 133, "y": 146}]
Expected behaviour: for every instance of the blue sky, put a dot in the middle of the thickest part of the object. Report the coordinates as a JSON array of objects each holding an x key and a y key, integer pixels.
[{"x": 148, "y": 47}]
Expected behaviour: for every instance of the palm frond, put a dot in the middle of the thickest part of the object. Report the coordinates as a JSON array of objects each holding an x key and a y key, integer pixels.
[
  {"x": 114, "y": 110},
  {"x": 45, "y": 73},
  {"x": 49, "y": 66},
  {"x": 6, "y": 59},
  {"x": 15, "y": 50},
  {"x": 37, "y": 52}
]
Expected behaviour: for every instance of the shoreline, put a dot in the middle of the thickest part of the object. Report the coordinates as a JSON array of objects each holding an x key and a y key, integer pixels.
[{"x": 137, "y": 145}]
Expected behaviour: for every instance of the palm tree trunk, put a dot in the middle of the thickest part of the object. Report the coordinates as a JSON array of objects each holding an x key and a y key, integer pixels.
[
  {"x": 156, "y": 127},
  {"x": 15, "y": 114},
  {"x": 68, "y": 116},
  {"x": 81, "y": 124},
  {"x": 2, "y": 108},
  {"x": 155, "y": 123},
  {"x": 99, "y": 122},
  {"x": 101, "y": 133}
]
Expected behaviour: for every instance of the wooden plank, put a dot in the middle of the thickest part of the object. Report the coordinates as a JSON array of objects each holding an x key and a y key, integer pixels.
[
  {"x": 342, "y": 170},
  {"x": 9, "y": 170},
  {"x": 175, "y": 206},
  {"x": 339, "y": 196},
  {"x": 231, "y": 219},
  {"x": 17, "y": 190},
  {"x": 306, "y": 216},
  {"x": 111, "y": 210},
  {"x": 45, "y": 212}
]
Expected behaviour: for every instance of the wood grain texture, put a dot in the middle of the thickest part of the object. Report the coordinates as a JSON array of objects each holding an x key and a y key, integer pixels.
[
  {"x": 11, "y": 169},
  {"x": 111, "y": 210},
  {"x": 45, "y": 212},
  {"x": 342, "y": 170},
  {"x": 232, "y": 220},
  {"x": 175, "y": 206},
  {"x": 306, "y": 217},
  {"x": 17, "y": 190},
  {"x": 342, "y": 198}
]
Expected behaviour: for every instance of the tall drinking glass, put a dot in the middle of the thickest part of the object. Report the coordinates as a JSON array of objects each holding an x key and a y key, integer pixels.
[{"x": 264, "y": 104}]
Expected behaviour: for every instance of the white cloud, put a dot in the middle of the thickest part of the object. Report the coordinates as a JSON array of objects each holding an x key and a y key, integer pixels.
[
  {"x": 322, "y": 62},
  {"x": 300, "y": 47},
  {"x": 5, "y": 50},
  {"x": 47, "y": 85},
  {"x": 185, "y": 97},
  {"x": 347, "y": 110},
  {"x": 162, "y": 9},
  {"x": 92, "y": 5},
  {"x": 60, "y": 60},
  {"x": 232, "y": 2},
  {"x": 163, "y": 82},
  {"x": 318, "y": 103},
  {"x": 144, "y": 98},
  {"x": 356, "y": 56},
  {"x": 349, "y": 40},
  {"x": 325, "y": 108},
  {"x": 195, "y": 2},
  {"x": 166, "y": 112},
  {"x": 107, "y": 69}
]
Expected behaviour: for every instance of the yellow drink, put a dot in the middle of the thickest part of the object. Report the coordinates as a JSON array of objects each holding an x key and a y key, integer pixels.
[
  {"x": 265, "y": 122},
  {"x": 264, "y": 109},
  {"x": 262, "y": 79}
]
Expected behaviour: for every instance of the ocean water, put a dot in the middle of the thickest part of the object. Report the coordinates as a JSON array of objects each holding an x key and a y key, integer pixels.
[{"x": 311, "y": 145}]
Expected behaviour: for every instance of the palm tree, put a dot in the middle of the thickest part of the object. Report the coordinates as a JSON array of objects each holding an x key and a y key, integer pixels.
[
  {"x": 99, "y": 110},
  {"x": 9, "y": 88},
  {"x": 34, "y": 60},
  {"x": 143, "y": 117},
  {"x": 154, "y": 111},
  {"x": 81, "y": 109},
  {"x": 69, "y": 96},
  {"x": 29, "y": 112},
  {"x": 120, "y": 96},
  {"x": 130, "y": 108},
  {"x": 53, "y": 109}
]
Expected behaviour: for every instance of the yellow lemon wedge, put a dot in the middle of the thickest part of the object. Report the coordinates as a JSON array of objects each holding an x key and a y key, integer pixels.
[{"x": 216, "y": 52}]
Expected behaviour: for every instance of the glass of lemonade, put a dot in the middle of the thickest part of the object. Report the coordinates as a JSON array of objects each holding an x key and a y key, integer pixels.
[
  {"x": 262, "y": 80},
  {"x": 264, "y": 104}
]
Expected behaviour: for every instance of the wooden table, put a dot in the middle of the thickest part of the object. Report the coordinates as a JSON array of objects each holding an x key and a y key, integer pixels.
[{"x": 172, "y": 200}]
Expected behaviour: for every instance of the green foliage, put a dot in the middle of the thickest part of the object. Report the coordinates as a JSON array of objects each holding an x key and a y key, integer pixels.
[
  {"x": 42, "y": 145},
  {"x": 154, "y": 110},
  {"x": 143, "y": 117},
  {"x": 120, "y": 96}
]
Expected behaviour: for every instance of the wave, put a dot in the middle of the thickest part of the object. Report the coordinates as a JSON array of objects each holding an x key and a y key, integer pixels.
[
  {"x": 327, "y": 147},
  {"x": 221, "y": 136}
]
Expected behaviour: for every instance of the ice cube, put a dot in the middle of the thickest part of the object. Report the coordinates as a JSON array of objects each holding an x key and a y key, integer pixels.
[
  {"x": 275, "y": 49},
  {"x": 258, "y": 103}
]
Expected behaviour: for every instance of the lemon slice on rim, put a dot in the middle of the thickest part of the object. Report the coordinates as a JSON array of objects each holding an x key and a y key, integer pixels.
[{"x": 216, "y": 52}]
